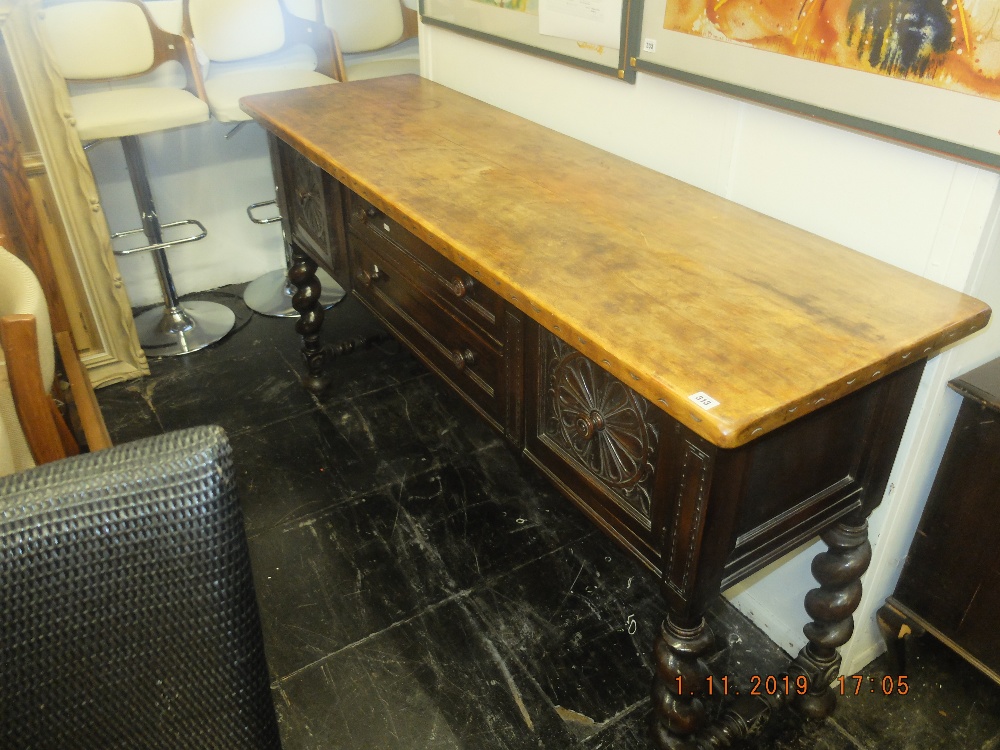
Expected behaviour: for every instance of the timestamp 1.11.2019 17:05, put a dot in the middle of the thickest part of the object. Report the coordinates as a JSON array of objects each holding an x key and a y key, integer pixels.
[{"x": 784, "y": 684}]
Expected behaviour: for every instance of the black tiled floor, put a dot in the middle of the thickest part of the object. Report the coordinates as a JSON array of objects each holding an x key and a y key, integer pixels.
[{"x": 421, "y": 586}]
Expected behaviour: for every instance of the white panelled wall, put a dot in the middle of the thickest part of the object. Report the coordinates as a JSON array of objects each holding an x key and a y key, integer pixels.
[
  {"x": 930, "y": 215},
  {"x": 927, "y": 214}
]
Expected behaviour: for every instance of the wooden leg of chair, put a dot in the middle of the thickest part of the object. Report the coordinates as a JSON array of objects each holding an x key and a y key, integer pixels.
[
  {"x": 19, "y": 337},
  {"x": 91, "y": 420},
  {"x": 66, "y": 436}
]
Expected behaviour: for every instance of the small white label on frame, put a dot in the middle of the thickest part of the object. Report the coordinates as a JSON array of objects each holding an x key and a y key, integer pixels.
[
  {"x": 649, "y": 45},
  {"x": 703, "y": 400}
]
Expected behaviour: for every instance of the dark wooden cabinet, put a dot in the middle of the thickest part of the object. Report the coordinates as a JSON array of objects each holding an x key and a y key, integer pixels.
[
  {"x": 712, "y": 389},
  {"x": 950, "y": 584}
]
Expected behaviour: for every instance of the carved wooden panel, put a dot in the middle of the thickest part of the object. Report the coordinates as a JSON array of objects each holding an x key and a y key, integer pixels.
[
  {"x": 306, "y": 200},
  {"x": 681, "y": 546},
  {"x": 600, "y": 423}
]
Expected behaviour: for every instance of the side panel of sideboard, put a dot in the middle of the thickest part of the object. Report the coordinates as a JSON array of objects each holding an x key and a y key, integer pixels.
[
  {"x": 311, "y": 205},
  {"x": 700, "y": 517}
]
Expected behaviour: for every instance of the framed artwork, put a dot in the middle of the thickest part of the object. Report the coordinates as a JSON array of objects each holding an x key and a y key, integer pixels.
[
  {"x": 597, "y": 35},
  {"x": 925, "y": 72}
]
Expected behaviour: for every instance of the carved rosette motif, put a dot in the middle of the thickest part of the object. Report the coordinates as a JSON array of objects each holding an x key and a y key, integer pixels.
[
  {"x": 306, "y": 199},
  {"x": 600, "y": 422}
]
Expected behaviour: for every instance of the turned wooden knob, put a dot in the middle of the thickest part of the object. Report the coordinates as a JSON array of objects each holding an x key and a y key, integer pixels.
[
  {"x": 460, "y": 287},
  {"x": 463, "y": 359},
  {"x": 587, "y": 425},
  {"x": 369, "y": 277}
]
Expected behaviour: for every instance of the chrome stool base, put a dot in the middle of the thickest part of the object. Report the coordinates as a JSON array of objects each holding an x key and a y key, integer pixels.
[
  {"x": 185, "y": 329},
  {"x": 271, "y": 294},
  {"x": 171, "y": 329}
]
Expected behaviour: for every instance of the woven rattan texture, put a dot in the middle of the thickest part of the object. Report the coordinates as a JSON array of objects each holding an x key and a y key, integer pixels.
[{"x": 128, "y": 617}]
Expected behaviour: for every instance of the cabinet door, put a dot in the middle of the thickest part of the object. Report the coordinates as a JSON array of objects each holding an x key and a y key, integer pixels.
[
  {"x": 607, "y": 446},
  {"x": 312, "y": 210}
]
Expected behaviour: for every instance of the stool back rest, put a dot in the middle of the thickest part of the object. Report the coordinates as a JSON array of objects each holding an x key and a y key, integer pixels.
[
  {"x": 20, "y": 294},
  {"x": 99, "y": 40},
  {"x": 111, "y": 40},
  {"x": 364, "y": 27},
  {"x": 229, "y": 30}
]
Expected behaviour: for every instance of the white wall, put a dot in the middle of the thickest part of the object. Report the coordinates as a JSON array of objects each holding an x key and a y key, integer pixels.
[{"x": 927, "y": 214}]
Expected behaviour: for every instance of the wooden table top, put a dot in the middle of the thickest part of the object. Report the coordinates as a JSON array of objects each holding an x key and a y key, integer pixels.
[{"x": 672, "y": 289}]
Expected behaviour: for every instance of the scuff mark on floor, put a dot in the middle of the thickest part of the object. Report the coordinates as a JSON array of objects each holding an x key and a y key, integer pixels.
[
  {"x": 568, "y": 714},
  {"x": 511, "y": 685}
]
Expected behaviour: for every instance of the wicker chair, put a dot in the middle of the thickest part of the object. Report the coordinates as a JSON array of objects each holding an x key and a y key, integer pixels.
[{"x": 129, "y": 617}]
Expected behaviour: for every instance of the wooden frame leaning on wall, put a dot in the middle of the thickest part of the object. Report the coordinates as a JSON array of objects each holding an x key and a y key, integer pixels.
[{"x": 77, "y": 230}]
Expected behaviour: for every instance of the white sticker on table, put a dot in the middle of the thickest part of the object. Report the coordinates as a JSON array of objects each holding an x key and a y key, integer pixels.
[{"x": 703, "y": 400}]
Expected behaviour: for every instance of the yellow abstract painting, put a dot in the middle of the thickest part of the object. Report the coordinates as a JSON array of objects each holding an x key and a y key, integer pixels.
[{"x": 952, "y": 44}]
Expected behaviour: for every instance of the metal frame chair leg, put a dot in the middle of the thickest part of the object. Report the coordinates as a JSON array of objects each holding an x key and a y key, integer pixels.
[
  {"x": 170, "y": 329},
  {"x": 271, "y": 294}
]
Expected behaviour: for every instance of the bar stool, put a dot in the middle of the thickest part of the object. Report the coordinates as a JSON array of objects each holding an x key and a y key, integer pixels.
[
  {"x": 377, "y": 38},
  {"x": 114, "y": 42},
  {"x": 256, "y": 47}
]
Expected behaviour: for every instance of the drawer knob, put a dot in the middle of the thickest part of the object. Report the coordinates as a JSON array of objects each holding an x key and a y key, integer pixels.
[
  {"x": 463, "y": 359},
  {"x": 369, "y": 277},
  {"x": 460, "y": 287},
  {"x": 366, "y": 213},
  {"x": 587, "y": 425}
]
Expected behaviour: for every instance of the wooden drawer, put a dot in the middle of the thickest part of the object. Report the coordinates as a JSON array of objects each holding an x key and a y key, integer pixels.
[
  {"x": 457, "y": 352},
  {"x": 450, "y": 286}
]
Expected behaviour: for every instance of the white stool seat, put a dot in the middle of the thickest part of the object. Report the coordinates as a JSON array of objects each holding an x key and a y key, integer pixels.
[
  {"x": 116, "y": 43},
  {"x": 128, "y": 111},
  {"x": 225, "y": 91},
  {"x": 398, "y": 59}
]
